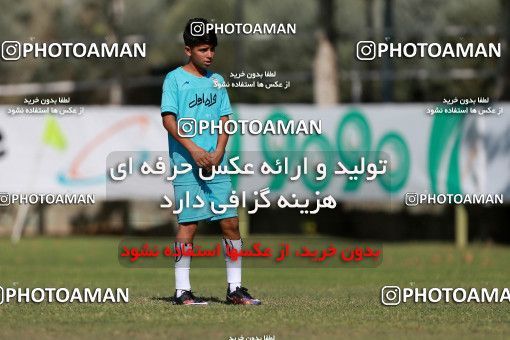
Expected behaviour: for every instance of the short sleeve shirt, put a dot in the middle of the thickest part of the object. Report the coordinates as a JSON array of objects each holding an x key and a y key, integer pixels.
[{"x": 193, "y": 99}]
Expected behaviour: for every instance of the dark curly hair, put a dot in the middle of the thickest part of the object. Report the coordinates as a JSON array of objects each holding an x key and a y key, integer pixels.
[{"x": 199, "y": 34}]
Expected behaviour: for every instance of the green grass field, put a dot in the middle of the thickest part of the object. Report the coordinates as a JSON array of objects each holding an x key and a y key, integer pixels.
[{"x": 297, "y": 303}]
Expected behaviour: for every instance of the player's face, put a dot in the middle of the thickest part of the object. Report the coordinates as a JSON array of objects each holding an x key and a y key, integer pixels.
[{"x": 201, "y": 55}]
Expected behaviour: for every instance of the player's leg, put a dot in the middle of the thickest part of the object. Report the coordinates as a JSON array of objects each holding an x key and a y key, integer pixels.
[
  {"x": 219, "y": 193},
  {"x": 236, "y": 294},
  {"x": 232, "y": 239},
  {"x": 188, "y": 221},
  {"x": 184, "y": 240}
]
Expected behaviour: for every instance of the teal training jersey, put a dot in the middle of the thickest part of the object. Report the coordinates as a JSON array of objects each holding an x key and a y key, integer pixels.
[{"x": 194, "y": 98}]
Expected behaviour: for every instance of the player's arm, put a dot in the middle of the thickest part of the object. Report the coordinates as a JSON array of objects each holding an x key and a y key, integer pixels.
[
  {"x": 200, "y": 156},
  {"x": 217, "y": 154}
]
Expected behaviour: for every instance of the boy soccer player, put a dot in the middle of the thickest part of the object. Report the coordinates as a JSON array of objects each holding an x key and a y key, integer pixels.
[{"x": 192, "y": 92}]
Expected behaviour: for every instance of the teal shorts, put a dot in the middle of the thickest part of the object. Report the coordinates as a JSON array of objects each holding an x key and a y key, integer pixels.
[{"x": 217, "y": 193}]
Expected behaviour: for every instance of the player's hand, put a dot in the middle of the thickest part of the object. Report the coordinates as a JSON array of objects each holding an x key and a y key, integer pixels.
[
  {"x": 216, "y": 156},
  {"x": 201, "y": 157}
]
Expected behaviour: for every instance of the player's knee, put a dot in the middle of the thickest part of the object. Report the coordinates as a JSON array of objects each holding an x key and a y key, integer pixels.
[
  {"x": 187, "y": 230},
  {"x": 230, "y": 225}
]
